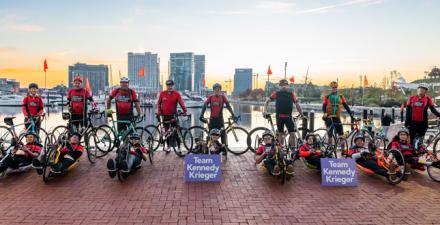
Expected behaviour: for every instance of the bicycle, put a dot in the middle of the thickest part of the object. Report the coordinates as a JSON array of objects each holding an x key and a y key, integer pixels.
[
  {"x": 10, "y": 152},
  {"x": 431, "y": 158},
  {"x": 232, "y": 133},
  {"x": 255, "y": 135},
  {"x": 95, "y": 138},
  {"x": 8, "y": 134}
]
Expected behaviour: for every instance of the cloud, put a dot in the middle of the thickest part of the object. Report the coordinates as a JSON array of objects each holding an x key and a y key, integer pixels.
[
  {"x": 276, "y": 6},
  {"x": 323, "y": 9},
  {"x": 13, "y": 23},
  {"x": 327, "y": 8}
]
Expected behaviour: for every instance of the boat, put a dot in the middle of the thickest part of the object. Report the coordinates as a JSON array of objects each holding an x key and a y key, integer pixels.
[{"x": 11, "y": 100}]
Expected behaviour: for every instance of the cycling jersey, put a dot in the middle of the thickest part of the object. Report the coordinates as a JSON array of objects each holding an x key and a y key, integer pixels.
[
  {"x": 333, "y": 103},
  {"x": 283, "y": 103},
  {"x": 417, "y": 108},
  {"x": 167, "y": 103},
  {"x": 76, "y": 101},
  {"x": 216, "y": 102},
  {"x": 133, "y": 150},
  {"x": 266, "y": 148},
  {"x": 304, "y": 151},
  {"x": 32, "y": 105},
  {"x": 124, "y": 100},
  {"x": 406, "y": 148},
  {"x": 74, "y": 147}
]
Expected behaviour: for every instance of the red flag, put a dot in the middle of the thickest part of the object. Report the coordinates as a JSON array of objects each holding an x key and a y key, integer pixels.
[
  {"x": 45, "y": 65},
  {"x": 292, "y": 79},
  {"x": 269, "y": 71},
  {"x": 88, "y": 85},
  {"x": 365, "y": 81},
  {"x": 204, "y": 82},
  {"x": 141, "y": 72}
]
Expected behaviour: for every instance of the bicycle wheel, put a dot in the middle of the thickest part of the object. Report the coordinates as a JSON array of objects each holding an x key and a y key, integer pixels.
[
  {"x": 155, "y": 134},
  {"x": 5, "y": 139},
  {"x": 48, "y": 161},
  {"x": 181, "y": 152},
  {"x": 434, "y": 171},
  {"x": 112, "y": 135},
  {"x": 146, "y": 141},
  {"x": 397, "y": 159},
  {"x": 198, "y": 134},
  {"x": 326, "y": 139},
  {"x": 366, "y": 134},
  {"x": 254, "y": 138},
  {"x": 236, "y": 138},
  {"x": 380, "y": 142}
]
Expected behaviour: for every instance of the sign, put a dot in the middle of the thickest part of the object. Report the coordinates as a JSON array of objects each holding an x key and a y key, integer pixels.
[
  {"x": 202, "y": 168},
  {"x": 338, "y": 172}
]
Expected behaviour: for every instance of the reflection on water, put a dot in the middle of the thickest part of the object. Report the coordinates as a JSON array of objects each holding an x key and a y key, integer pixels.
[{"x": 251, "y": 116}]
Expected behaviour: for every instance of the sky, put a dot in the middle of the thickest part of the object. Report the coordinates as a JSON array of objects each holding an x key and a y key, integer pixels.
[{"x": 335, "y": 39}]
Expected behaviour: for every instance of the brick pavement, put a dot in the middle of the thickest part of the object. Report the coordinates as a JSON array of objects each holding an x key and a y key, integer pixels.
[{"x": 157, "y": 195}]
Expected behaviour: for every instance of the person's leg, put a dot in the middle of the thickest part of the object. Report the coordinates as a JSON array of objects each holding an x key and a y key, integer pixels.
[
  {"x": 291, "y": 128},
  {"x": 270, "y": 164},
  {"x": 280, "y": 129},
  {"x": 372, "y": 165},
  {"x": 315, "y": 161},
  {"x": 21, "y": 161},
  {"x": 5, "y": 163}
]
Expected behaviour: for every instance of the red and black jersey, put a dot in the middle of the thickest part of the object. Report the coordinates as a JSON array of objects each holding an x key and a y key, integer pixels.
[
  {"x": 32, "y": 105},
  {"x": 167, "y": 103},
  {"x": 124, "y": 100},
  {"x": 283, "y": 102},
  {"x": 304, "y": 151},
  {"x": 141, "y": 148},
  {"x": 33, "y": 147},
  {"x": 417, "y": 108},
  {"x": 75, "y": 147},
  {"x": 216, "y": 104},
  {"x": 77, "y": 100},
  {"x": 405, "y": 147}
]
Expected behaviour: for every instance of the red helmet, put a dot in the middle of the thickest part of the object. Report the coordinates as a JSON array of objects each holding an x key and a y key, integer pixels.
[{"x": 78, "y": 78}]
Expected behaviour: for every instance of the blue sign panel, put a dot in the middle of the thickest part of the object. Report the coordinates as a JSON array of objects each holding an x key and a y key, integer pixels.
[
  {"x": 202, "y": 168},
  {"x": 338, "y": 172}
]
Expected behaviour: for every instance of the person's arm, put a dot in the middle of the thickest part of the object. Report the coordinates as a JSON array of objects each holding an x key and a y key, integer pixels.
[
  {"x": 260, "y": 158},
  {"x": 432, "y": 108},
  {"x": 41, "y": 108},
  {"x": 109, "y": 100},
  {"x": 159, "y": 104},
  {"x": 24, "y": 107},
  {"x": 303, "y": 152},
  {"x": 324, "y": 106},
  {"x": 344, "y": 103},
  {"x": 205, "y": 105},
  {"x": 179, "y": 99},
  {"x": 136, "y": 102},
  {"x": 356, "y": 156},
  {"x": 296, "y": 102},
  {"x": 228, "y": 106},
  {"x": 408, "y": 112}
]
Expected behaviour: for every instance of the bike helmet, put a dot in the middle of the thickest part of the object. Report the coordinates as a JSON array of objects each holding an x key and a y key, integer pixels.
[
  {"x": 283, "y": 82},
  {"x": 423, "y": 85},
  {"x": 124, "y": 80},
  {"x": 76, "y": 134},
  {"x": 78, "y": 78},
  {"x": 310, "y": 135},
  {"x": 169, "y": 82},
  {"x": 268, "y": 132},
  {"x": 216, "y": 85},
  {"x": 33, "y": 85},
  {"x": 214, "y": 132},
  {"x": 31, "y": 133},
  {"x": 404, "y": 130},
  {"x": 333, "y": 84},
  {"x": 359, "y": 136},
  {"x": 135, "y": 136}
]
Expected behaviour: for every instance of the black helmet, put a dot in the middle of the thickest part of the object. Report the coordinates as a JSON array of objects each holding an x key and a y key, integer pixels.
[
  {"x": 216, "y": 85},
  {"x": 135, "y": 136},
  {"x": 359, "y": 136},
  {"x": 214, "y": 132},
  {"x": 169, "y": 82},
  {"x": 284, "y": 82},
  {"x": 268, "y": 132},
  {"x": 33, "y": 85},
  {"x": 31, "y": 133},
  {"x": 76, "y": 134},
  {"x": 310, "y": 135}
]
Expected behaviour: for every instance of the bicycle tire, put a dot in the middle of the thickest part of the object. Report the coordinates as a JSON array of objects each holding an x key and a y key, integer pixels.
[
  {"x": 156, "y": 135},
  {"x": 197, "y": 133},
  {"x": 230, "y": 133},
  {"x": 251, "y": 140}
]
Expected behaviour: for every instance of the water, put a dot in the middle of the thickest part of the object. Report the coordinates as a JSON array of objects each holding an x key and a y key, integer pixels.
[{"x": 251, "y": 117}]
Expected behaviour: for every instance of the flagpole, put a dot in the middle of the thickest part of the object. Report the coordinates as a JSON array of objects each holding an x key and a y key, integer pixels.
[{"x": 47, "y": 95}]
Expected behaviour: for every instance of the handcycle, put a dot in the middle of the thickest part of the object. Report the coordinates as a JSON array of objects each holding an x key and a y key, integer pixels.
[
  {"x": 118, "y": 137},
  {"x": 162, "y": 136},
  {"x": 233, "y": 135},
  {"x": 10, "y": 153},
  {"x": 7, "y": 134},
  {"x": 255, "y": 135},
  {"x": 431, "y": 159},
  {"x": 95, "y": 138}
]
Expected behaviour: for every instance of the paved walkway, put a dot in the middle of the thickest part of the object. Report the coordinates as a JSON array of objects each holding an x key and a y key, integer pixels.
[{"x": 158, "y": 195}]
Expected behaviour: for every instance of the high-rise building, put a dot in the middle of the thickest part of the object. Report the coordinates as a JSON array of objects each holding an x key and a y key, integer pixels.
[
  {"x": 199, "y": 72},
  {"x": 96, "y": 74},
  {"x": 181, "y": 70},
  {"x": 242, "y": 80},
  {"x": 150, "y": 82}
]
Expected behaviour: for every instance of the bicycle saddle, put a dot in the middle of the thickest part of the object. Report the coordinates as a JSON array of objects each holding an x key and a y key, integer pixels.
[{"x": 9, "y": 120}]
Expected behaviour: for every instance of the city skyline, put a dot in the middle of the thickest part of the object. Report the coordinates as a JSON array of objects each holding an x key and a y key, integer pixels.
[{"x": 337, "y": 39}]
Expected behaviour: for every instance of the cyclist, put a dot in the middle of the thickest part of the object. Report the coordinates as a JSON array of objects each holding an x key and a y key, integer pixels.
[
  {"x": 284, "y": 101},
  {"x": 77, "y": 98},
  {"x": 332, "y": 108},
  {"x": 136, "y": 154},
  {"x": 416, "y": 119},
  {"x": 366, "y": 157},
  {"x": 311, "y": 151},
  {"x": 33, "y": 107},
  {"x": 216, "y": 102},
  {"x": 167, "y": 108},
  {"x": 69, "y": 155},
  {"x": 22, "y": 155},
  {"x": 124, "y": 97},
  {"x": 267, "y": 155}
]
